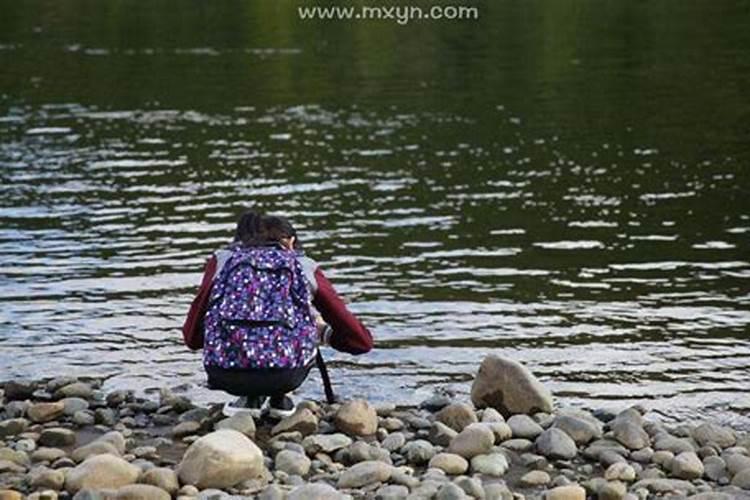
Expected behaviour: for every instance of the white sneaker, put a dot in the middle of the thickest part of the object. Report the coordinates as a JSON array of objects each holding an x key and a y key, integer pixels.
[
  {"x": 279, "y": 407},
  {"x": 244, "y": 404}
]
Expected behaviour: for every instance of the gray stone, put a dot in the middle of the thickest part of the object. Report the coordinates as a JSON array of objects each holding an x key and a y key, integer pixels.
[
  {"x": 580, "y": 430},
  {"x": 497, "y": 491},
  {"x": 523, "y": 426},
  {"x": 518, "y": 445},
  {"x": 84, "y": 417},
  {"x": 441, "y": 435},
  {"x": 493, "y": 464},
  {"x": 666, "y": 442},
  {"x": 687, "y": 465},
  {"x": 19, "y": 389},
  {"x": 742, "y": 479},
  {"x": 241, "y": 422},
  {"x": 450, "y": 491},
  {"x": 73, "y": 405},
  {"x": 75, "y": 390},
  {"x": 292, "y": 463},
  {"x": 392, "y": 492},
  {"x": 554, "y": 443},
  {"x": 141, "y": 492},
  {"x": 163, "y": 478},
  {"x": 509, "y": 387},
  {"x": 660, "y": 485},
  {"x": 13, "y": 427},
  {"x": 45, "y": 412},
  {"x": 736, "y": 462},
  {"x": 712, "y": 434},
  {"x": 418, "y": 452},
  {"x": 303, "y": 421},
  {"x": 536, "y": 478},
  {"x": 471, "y": 486},
  {"x": 314, "y": 491},
  {"x": 394, "y": 442},
  {"x": 614, "y": 490},
  {"x": 620, "y": 471},
  {"x": 631, "y": 435},
  {"x": 450, "y": 463},
  {"x": 567, "y": 492},
  {"x": 94, "y": 448},
  {"x": 365, "y": 473},
  {"x": 715, "y": 468},
  {"x": 326, "y": 443},
  {"x": 476, "y": 439}
]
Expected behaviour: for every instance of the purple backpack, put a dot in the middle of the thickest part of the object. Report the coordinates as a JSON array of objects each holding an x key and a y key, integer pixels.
[{"x": 259, "y": 312}]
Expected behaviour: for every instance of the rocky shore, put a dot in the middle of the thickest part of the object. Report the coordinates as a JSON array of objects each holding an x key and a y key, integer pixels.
[{"x": 66, "y": 438}]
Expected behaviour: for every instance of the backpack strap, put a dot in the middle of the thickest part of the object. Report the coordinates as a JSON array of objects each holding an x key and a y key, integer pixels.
[{"x": 330, "y": 397}]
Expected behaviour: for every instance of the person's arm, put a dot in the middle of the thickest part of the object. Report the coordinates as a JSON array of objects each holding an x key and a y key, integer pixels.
[
  {"x": 348, "y": 333},
  {"x": 192, "y": 330}
]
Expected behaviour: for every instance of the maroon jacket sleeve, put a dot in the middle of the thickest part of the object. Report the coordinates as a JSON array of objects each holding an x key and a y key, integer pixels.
[
  {"x": 192, "y": 330},
  {"x": 349, "y": 334}
]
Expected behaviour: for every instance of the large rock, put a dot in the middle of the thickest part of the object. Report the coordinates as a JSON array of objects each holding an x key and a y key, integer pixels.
[
  {"x": 509, "y": 387},
  {"x": 476, "y": 439},
  {"x": 456, "y": 416},
  {"x": 45, "y": 412},
  {"x": 365, "y": 473},
  {"x": 357, "y": 418},
  {"x": 221, "y": 459},
  {"x": 554, "y": 443},
  {"x": 101, "y": 471}
]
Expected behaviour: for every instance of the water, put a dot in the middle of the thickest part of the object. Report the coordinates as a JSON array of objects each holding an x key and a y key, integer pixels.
[{"x": 565, "y": 186}]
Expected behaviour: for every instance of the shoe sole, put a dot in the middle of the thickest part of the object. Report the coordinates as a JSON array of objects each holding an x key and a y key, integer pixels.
[{"x": 229, "y": 411}]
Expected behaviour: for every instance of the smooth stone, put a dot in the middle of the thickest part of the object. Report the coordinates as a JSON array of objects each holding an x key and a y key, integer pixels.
[
  {"x": 518, "y": 445},
  {"x": 509, "y": 387},
  {"x": 365, "y": 473},
  {"x": 357, "y": 417},
  {"x": 161, "y": 477},
  {"x": 715, "y": 468},
  {"x": 73, "y": 405},
  {"x": 736, "y": 463},
  {"x": 642, "y": 456},
  {"x": 303, "y": 421},
  {"x": 418, "y": 452},
  {"x": 567, "y": 492},
  {"x": 10, "y": 495},
  {"x": 392, "y": 424},
  {"x": 631, "y": 435},
  {"x": 712, "y": 434},
  {"x": 19, "y": 389},
  {"x": 186, "y": 428},
  {"x": 93, "y": 448},
  {"x": 314, "y": 491},
  {"x": 57, "y": 437},
  {"x": 12, "y": 467},
  {"x": 621, "y": 471},
  {"x": 16, "y": 456},
  {"x": 662, "y": 485},
  {"x": 472, "y": 486},
  {"x": 501, "y": 430},
  {"x": 84, "y": 417},
  {"x": 536, "y": 478},
  {"x": 392, "y": 492},
  {"x": 457, "y": 416},
  {"x": 441, "y": 435},
  {"x": 241, "y": 422},
  {"x": 45, "y": 454},
  {"x": 523, "y": 426},
  {"x": 75, "y": 390},
  {"x": 45, "y": 412},
  {"x": 141, "y": 492},
  {"x": 394, "y": 441},
  {"x": 450, "y": 491},
  {"x": 491, "y": 415},
  {"x": 46, "y": 478},
  {"x": 475, "y": 439},
  {"x": 436, "y": 402},
  {"x": 672, "y": 444},
  {"x": 742, "y": 479},
  {"x": 362, "y": 452},
  {"x": 292, "y": 463},
  {"x": 554, "y": 443},
  {"x": 614, "y": 490},
  {"x": 497, "y": 491},
  {"x": 221, "y": 459},
  {"x": 326, "y": 443},
  {"x": 687, "y": 465},
  {"x": 450, "y": 463},
  {"x": 13, "y": 427},
  {"x": 493, "y": 464},
  {"x": 582, "y": 431},
  {"x": 272, "y": 492},
  {"x": 101, "y": 471}
]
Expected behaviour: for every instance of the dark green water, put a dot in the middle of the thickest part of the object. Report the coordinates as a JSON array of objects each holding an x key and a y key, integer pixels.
[{"x": 563, "y": 182}]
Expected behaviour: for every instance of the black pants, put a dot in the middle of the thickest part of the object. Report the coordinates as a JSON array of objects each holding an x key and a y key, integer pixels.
[{"x": 254, "y": 383}]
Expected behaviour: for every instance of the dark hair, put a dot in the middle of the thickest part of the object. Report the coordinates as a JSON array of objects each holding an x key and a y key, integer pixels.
[
  {"x": 248, "y": 227},
  {"x": 275, "y": 228}
]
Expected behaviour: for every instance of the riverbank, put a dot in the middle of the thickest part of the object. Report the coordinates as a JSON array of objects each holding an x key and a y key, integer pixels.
[{"x": 66, "y": 438}]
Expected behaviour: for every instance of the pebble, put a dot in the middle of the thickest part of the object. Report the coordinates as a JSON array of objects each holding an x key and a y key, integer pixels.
[
  {"x": 450, "y": 463},
  {"x": 357, "y": 418},
  {"x": 365, "y": 473},
  {"x": 687, "y": 465},
  {"x": 457, "y": 416},
  {"x": 292, "y": 463},
  {"x": 536, "y": 478},
  {"x": 494, "y": 464},
  {"x": 241, "y": 422},
  {"x": 567, "y": 492},
  {"x": 554, "y": 443},
  {"x": 475, "y": 439},
  {"x": 303, "y": 421},
  {"x": 523, "y": 426},
  {"x": 57, "y": 437}
]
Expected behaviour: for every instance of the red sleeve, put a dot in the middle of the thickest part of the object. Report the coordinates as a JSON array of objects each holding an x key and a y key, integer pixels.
[
  {"x": 349, "y": 334},
  {"x": 192, "y": 330}
]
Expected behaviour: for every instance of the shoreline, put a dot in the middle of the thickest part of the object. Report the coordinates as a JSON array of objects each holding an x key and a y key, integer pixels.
[{"x": 65, "y": 438}]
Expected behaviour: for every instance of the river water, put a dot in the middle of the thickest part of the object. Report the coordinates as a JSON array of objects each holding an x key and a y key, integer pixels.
[{"x": 567, "y": 186}]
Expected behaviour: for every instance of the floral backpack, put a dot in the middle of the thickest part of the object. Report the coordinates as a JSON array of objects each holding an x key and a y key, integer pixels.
[{"x": 259, "y": 312}]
